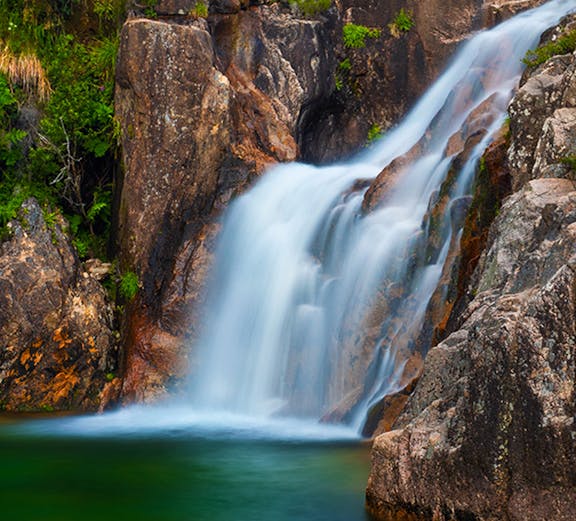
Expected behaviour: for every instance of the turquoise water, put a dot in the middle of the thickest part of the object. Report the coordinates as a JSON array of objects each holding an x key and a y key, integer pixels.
[{"x": 183, "y": 477}]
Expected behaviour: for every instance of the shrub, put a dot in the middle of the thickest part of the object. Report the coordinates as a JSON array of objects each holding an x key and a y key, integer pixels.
[
  {"x": 67, "y": 71},
  {"x": 354, "y": 36}
]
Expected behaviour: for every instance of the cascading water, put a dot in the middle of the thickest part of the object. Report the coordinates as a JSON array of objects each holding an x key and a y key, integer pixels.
[{"x": 300, "y": 267}]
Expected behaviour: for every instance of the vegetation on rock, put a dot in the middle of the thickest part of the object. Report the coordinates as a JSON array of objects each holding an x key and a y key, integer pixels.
[
  {"x": 564, "y": 44},
  {"x": 311, "y": 7},
  {"x": 354, "y": 35},
  {"x": 200, "y": 10},
  {"x": 374, "y": 133},
  {"x": 342, "y": 73},
  {"x": 58, "y": 136},
  {"x": 129, "y": 285},
  {"x": 402, "y": 23}
]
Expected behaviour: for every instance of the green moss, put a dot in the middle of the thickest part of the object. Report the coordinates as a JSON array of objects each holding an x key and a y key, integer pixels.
[
  {"x": 311, "y": 7},
  {"x": 374, "y": 132},
  {"x": 354, "y": 36},
  {"x": 564, "y": 44}
]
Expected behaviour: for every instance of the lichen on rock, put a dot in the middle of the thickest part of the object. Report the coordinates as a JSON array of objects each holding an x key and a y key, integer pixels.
[{"x": 57, "y": 346}]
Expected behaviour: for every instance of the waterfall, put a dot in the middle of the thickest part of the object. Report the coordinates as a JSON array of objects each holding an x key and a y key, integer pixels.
[{"x": 290, "y": 327}]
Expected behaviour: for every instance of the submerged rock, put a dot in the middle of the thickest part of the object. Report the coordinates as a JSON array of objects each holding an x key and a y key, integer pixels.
[{"x": 57, "y": 346}]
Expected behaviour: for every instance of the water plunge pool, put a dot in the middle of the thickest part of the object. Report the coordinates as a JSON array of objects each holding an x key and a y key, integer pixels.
[{"x": 179, "y": 477}]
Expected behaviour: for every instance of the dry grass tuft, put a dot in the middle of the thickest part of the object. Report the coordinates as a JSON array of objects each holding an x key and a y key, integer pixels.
[{"x": 27, "y": 71}]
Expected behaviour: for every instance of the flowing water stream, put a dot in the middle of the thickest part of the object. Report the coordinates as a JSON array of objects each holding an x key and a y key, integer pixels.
[{"x": 299, "y": 268}]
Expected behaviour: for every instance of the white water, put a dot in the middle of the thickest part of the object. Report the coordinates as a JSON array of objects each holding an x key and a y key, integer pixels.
[
  {"x": 297, "y": 262},
  {"x": 298, "y": 265}
]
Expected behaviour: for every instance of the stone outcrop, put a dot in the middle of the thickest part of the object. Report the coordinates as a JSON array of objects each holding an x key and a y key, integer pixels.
[
  {"x": 546, "y": 101},
  {"x": 176, "y": 129},
  {"x": 58, "y": 349},
  {"x": 489, "y": 432}
]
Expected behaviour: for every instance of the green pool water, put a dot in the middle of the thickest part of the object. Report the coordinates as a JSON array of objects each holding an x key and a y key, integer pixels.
[{"x": 179, "y": 478}]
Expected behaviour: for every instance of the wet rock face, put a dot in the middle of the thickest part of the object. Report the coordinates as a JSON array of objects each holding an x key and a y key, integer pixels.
[
  {"x": 171, "y": 161},
  {"x": 489, "y": 431},
  {"x": 57, "y": 347},
  {"x": 174, "y": 106}
]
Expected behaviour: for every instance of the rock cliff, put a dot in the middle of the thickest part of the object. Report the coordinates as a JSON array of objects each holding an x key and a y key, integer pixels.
[
  {"x": 489, "y": 431},
  {"x": 205, "y": 104}
]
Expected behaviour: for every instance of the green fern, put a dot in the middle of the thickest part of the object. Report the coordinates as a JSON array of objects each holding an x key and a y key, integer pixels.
[
  {"x": 354, "y": 36},
  {"x": 129, "y": 285},
  {"x": 402, "y": 23}
]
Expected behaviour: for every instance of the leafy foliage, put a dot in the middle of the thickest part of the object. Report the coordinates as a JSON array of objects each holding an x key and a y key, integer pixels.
[
  {"x": 129, "y": 285},
  {"x": 402, "y": 23},
  {"x": 342, "y": 73},
  {"x": 564, "y": 44},
  {"x": 66, "y": 70},
  {"x": 374, "y": 132},
  {"x": 108, "y": 11},
  {"x": 354, "y": 36}
]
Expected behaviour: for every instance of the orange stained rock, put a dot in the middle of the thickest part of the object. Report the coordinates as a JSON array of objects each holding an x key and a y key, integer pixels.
[{"x": 61, "y": 338}]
